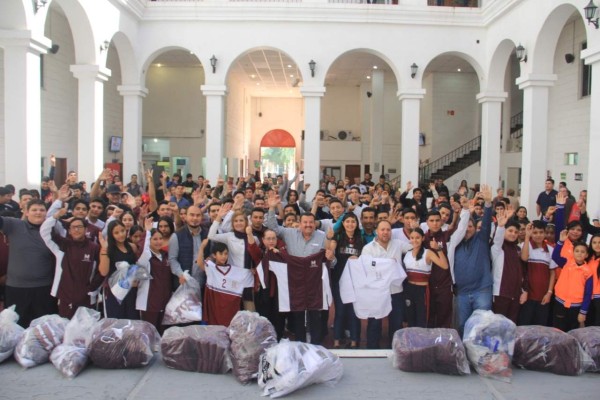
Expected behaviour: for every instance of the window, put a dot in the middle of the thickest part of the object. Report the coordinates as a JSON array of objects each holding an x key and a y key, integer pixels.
[
  {"x": 586, "y": 76},
  {"x": 571, "y": 158}
]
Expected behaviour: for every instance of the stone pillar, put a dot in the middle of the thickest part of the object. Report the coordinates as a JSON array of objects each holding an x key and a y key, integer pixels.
[
  {"x": 22, "y": 108},
  {"x": 90, "y": 120},
  {"x": 376, "y": 126},
  {"x": 215, "y": 130},
  {"x": 536, "y": 89},
  {"x": 411, "y": 111},
  {"x": 312, "y": 136},
  {"x": 593, "y": 200},
  {"x": 133, "y": 96},
  {"x": 491, "y": 126}
]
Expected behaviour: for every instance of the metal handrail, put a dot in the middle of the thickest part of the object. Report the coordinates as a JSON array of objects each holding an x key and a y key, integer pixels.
[{"x": 427, "y": 170}]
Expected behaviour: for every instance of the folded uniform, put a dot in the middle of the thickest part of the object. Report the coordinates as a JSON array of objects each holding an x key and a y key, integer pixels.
[
  {"x": 197, "y": 348},
  {"x": 38, "y": 341},
  {"x": 589, "y": 339},
  {"x": 429, "y": 350}
]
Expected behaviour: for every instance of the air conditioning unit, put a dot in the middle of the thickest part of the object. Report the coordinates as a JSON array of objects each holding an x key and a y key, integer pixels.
[{"x": 344, "y": 135}]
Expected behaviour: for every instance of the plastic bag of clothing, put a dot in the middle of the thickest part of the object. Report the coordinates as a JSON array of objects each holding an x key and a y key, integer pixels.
[
  {"x": 10, "y": 332},
  {"x": 38, "y": 341},
  {"x": 250, "y": 336},
  {"x": 71, "y": 357},
  {"x": 121, "y": 281},
  {"x": 429, "y": 350},
  {"x": 541, "y": 348},
  {"x": 197, "y": 348},
  {"x": 289, "y": 366},
  {"x": 185, "y": 305},
  {"x": 122, "y": 343},
  {"x": 589, "y": 339},
  {"x": 490, "y": 342}
]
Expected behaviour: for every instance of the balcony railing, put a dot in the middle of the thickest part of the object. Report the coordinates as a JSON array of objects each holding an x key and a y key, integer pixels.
[{"x": 443, "y": 3}]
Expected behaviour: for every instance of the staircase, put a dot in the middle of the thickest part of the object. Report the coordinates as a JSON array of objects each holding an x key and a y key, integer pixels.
[
  {"x": 514, "y": 144},
  {"x": 452, "y": 163}
]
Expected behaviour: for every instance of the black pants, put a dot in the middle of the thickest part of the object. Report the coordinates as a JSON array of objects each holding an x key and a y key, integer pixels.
[
  {"x": 416, "y": 306},
  {"x": 125, "y": 310},
  {"x": 31, "y": 303},
  {"x": 314, "y": 325},
  {"x": 534, "y": 313},
  {"x": 565, "y": 319}
]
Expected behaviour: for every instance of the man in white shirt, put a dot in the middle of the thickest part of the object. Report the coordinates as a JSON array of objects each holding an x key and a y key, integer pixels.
[{"x": 383, "y": 246}]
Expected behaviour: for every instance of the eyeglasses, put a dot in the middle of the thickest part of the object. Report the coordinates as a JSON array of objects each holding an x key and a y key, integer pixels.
[{"x": 77, "y": 227}]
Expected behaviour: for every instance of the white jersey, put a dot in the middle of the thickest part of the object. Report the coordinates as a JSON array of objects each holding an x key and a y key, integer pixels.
[
  {"x": 367, "y": 283},
  {"x": 228, "y": 279}
]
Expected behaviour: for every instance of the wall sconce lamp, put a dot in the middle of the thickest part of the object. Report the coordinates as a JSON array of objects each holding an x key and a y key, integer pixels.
[
  {"x": 413, "y": 70},
  {"x": 312, "y": 64},
  {"x": 104, "y": 45},
  {"x": 521, "y": 55},
  {"x": 39, "y": 4},
  {"x": 213, "y": 63},
  {"x": 590, "y": 13}
]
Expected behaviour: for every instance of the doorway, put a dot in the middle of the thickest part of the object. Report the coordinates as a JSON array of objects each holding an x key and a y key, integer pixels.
[{"x": 277, "y": 154}]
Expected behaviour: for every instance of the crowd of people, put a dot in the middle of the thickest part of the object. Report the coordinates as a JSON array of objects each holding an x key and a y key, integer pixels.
[{"x": 429, "y": 258}]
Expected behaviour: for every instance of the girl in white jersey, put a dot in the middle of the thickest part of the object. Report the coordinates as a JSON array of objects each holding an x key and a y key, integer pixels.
[{"x": 418, "y": 269}]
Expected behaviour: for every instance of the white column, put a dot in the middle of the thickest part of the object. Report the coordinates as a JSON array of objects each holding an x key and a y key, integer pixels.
[
  {"x": 376, "y": 126},
  {"x": 90, "y": 119},
  {"x": 22, "y": 109},
  {"x": 593, "y": 200},
  {"x": 215, "y": 130},
  {"x": 535, "y": 129},
  {"x": 312, "y": 136},
  {"x": 133, "y": 96},
  {"x": 491, "y": 126},
  {"x": 411, "y": 110}
]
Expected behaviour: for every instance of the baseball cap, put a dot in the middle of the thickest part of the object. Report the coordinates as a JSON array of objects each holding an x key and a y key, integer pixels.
[{"x": 112, "y": 189}]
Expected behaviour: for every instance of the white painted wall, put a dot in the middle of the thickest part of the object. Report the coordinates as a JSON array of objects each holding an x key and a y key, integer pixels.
[
  {"x": 2, "y": 177},
  {"x": 569, "y": 122},
  {"x": 175, "y": 109},
  {"x": 236, "y": 141},
  {"x": 471, "y": 174},
  {"x": 59, "y": 94},
  {"x": 113, "y": 106}
]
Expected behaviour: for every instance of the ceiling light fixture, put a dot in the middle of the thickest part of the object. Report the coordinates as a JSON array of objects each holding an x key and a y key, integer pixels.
[{"x": 374, "y": 66}]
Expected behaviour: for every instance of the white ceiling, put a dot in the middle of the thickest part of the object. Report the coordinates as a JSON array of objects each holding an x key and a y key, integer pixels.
[{"x": 270, "y": 71}]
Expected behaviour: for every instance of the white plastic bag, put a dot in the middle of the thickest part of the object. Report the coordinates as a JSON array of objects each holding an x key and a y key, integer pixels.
[
  {"x": 490, "y": 342},
  {"x": 289, "y": 366},
  {"x": 72, "y": 356},
  {"x": 10, "y": 332},
  {"x": 121, "y": 281},
  {"x": 38, "y": 341},
  {"x": 185, "y": 305}
]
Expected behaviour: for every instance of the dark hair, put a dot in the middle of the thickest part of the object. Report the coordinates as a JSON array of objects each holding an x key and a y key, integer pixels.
[
  {"x": 335, "y": 200},
  {"x": 257, "y": 209},
  {"x": 112, "y": 243},
  {"x": 512, "y": 224},
  {"x": 578, "y": 243},
  {"x": 169, "y": 221},
  {"x": 24, "y": 192},
  {"x": 34, "y": 202},
  {"x": 550, "y": 180},
  {"x": 77, "y": 219},
  {"x": 80, "y": 201},
  {"x": 408, "y": 210},
  {"x": 415, "y": 190},
  {"x": 287, "y": 197},
  {"x": 98, "y": 200},
  {"x": 133, "y": 230},
  {"x": 127, "y": 212},
  {"x": 433, "y": 213},
  {"x": 342, "y": 237},
  {"x": 537, "y": 224},
  {"x": 368, "y": 209},
  {"x": 218, "y": 247},
  {"x": 591, "y": 252},
  {"x": 290, "y": 215},
  {"x": 422, "y": 249},
  {"x": 574, "y": 224},
  {"x": 307, "y": 214},
  {"x": 445, "y": 205}
]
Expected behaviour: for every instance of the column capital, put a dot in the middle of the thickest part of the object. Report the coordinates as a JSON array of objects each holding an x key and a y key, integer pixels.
[
  {"x": 413, "y": 94},
  {"x": 491, "y": 97},
  {"x": 312, "y": 91},
  {"x": 132, "y": 90},
  {"x": 37, "y": 45},
  {"x": 537, "y": 80},
  {"x": 90, "y": 71},
  {"x": 214, "y": 90},
  {"x": 590, "y": 56}
]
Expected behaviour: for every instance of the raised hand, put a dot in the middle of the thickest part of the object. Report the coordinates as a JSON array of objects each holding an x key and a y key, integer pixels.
[
  {"x": 117, "y": 213},
  {"x": 409, "y": 186},
  {"x": 563, "y": 235},
  {"x": 561, "y": 198},
  {"x": 102, "y": 241},
  {"x": 225, "y": 208},
  {"x": 501, "y": 217},
  {"x": 148, "y": 223},
  {"x": 486, "y": 192},
  {"x": 64, "y": 193},
  {"x": 62, "y": 212}
]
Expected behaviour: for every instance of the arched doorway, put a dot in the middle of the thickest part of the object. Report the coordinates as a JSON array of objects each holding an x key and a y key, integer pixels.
[{"x": 277, "y": 153}]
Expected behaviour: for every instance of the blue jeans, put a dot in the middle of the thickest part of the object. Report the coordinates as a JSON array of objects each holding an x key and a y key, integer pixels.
[
  {"x": 471, "y": 301},
  {"x": 343, "y": 313}
]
